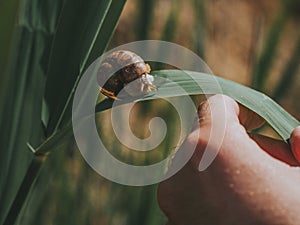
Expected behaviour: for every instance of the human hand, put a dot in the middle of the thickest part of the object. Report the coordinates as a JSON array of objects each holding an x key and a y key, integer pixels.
[{"x": 253, "y": 180}]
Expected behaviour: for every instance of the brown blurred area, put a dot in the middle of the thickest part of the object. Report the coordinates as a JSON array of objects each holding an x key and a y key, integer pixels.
[{"x": 233, "y": 36}]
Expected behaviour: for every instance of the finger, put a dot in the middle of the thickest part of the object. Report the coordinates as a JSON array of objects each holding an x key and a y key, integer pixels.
[
  {"x": 246, "y": 117},
  {"x": 295, "y": 143},
  {"x": 276, "y": 148},
  {"x": 235, "y": 142},
  {"x": 218, "y": 106},
  {"x": 219, "y": 127},
  {"x": 249, "y": 119}
]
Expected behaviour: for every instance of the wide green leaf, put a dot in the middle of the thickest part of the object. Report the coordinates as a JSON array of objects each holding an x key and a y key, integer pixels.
[
  {"x": 24, "y": 82},
  {"x": 281, "y": 121},
  {"x": 82, "y": 35}
]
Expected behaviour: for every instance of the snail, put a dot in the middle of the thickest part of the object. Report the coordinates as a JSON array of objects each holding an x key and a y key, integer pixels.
[{"x": 132, "y": 68}]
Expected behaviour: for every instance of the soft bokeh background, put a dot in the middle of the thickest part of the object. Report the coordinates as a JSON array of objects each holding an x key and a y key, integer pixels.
[{"x": 256, "y": 43}]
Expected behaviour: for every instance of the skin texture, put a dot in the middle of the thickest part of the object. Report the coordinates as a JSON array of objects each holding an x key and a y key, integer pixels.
[{"x": 253, "y": 180}]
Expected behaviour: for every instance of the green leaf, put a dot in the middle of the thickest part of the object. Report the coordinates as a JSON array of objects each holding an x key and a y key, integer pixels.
[
  {"x": 281, "y": 121},
  {"x": 289, "y": 73},
  {"x": 82, "y": 35},
  {"x": 144, "y": 19},
  {"x": 199, "y": 7},
  {"x": 52, "y": 40},
  {"x": 265, "y": 60},
  {"x": 22, "y": 95}
]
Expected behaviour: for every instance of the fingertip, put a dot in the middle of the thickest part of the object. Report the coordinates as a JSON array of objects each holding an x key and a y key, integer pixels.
[
  {"x": 295, "y": 143},
  {"x": 221, "y": 106}
]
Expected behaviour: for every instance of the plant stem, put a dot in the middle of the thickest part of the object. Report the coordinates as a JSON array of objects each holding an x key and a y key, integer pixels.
[
  {"x": 29, "y": 179},
  {"x": 40, "y": 155},
  {"x": 55, "y": 139}
]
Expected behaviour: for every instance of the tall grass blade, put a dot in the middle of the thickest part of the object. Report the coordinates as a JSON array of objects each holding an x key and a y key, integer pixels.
[
  {"x": 80, "y": 33},
  {"x": 23, "y": 93},
  {"x": 200, "y": 26},
  {"x": 144, "y": 18},
  {"x": 289, "y": 74},
  {"x": 265, "y": 60},
  {"x": 50, "y": 36},
  {"x": 170, "y": 28}
]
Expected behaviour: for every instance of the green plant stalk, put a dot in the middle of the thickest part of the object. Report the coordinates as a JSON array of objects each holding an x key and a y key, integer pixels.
[
  {"x": 200, "y": 23},
  {"x": 40, "y": 155},
  {"x": 170, "y": 27},
  {"x": 264, "y": 62},
  {"x": 8, "y": 10},
  {"x": 43, "y": 40},
  {"x": 289, "y": 73},
  {"x": 144, "y": 18},
  {"x": 29, "y": 179},
  {"x": 54, "y": 140}
]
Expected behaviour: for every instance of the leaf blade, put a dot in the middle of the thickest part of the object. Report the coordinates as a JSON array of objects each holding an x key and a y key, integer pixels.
[{"x": 280, "y": 120}]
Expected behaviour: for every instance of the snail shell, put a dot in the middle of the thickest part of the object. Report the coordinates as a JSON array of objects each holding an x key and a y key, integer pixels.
[{"x": 132, "y": 67}]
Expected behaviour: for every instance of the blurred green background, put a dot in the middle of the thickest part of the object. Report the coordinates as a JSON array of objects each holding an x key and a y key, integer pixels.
[{"x": 47, "y": 45}]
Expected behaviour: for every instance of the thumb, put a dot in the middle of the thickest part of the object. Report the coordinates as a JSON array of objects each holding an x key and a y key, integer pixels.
[
  {"x": 222, "y": 132},
  {"x": 216, "y": 115}
]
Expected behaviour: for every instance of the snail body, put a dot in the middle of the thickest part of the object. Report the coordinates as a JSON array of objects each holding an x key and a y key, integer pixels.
[{"x": 133, "y": 68}]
